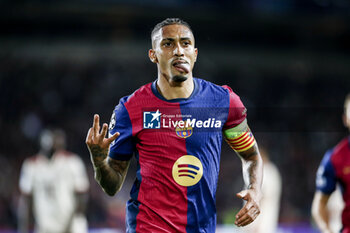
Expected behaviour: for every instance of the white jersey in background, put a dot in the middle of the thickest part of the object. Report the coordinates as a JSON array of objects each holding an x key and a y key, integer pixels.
[
  {"x": 53, "y": 184},
  {"x": 267, "y": 221}
]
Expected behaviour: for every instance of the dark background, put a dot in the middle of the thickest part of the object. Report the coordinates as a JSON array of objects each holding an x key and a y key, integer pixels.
[{"x": 63, "y": 61}]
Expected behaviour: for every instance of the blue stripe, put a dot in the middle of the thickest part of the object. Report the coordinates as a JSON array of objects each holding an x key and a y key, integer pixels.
[
  {"x": 132, "y": 206},
  {"x": 123, "y": 147},
  {"x": 190, "y": 176},
  {"x": 193, "y": 166},
  {"x": 206, "y": 146},
  {"x": 132, "y": 209},
  {"x": 326, "y": 179}
]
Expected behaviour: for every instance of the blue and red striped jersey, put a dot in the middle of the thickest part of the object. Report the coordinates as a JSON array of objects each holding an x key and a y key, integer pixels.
[
  {"x": 177, "y": 145},
  {"x": 335, "y": 169}
]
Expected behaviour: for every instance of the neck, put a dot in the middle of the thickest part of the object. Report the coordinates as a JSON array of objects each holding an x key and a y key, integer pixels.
[
  {"x": 47, "y": 153},
  {"x": 174, "y": 90}
]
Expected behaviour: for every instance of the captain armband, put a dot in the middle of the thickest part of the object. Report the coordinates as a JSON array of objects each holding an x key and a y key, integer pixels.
[{"x": 240, "y": 138}]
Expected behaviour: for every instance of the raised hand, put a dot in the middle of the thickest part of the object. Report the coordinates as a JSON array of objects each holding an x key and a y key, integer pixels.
[
  {"x": 97, "y": 142},
  {"x": 250, "y": 210}
]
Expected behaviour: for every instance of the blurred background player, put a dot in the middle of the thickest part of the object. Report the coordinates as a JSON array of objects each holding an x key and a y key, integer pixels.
[
  {"x": 267, "y": 221},
  {"x": 53, "y": 187},
  {"x": 335, "y": 207},
  {"x": 334, "y": 169}
]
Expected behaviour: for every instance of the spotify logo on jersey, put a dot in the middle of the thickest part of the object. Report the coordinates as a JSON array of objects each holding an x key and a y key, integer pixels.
[{"x": 187, "y": 170}]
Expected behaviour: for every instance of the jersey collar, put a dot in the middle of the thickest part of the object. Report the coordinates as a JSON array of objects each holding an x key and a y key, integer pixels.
[{"x": 157, "y": 94}]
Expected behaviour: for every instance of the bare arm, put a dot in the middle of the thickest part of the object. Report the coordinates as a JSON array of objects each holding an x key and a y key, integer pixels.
[
  {"x": 109, "y": 173},
  {"x": 320, "y": 212},
  {"x": 252, "y": 174}
]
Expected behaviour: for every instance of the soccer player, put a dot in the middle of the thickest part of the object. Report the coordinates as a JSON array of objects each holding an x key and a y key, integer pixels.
[
  {"x": 334, "y": 169},
  {"x": 174, "y": 126},
  {"x": 53, "y": 187}
]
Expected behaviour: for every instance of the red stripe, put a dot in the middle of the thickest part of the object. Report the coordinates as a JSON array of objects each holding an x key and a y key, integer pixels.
[
  {"x": 184, "y": 170},
  {"x": 244, "y": 136},
  {"x": 247, "y": 142},
  {"x": 239, "y": 138},
  {"x": 168, "y": 211},
  {"x": 242, "y": 141},
  {"x": 250, "y": 143},
  {"x": 246, "y": 147}
]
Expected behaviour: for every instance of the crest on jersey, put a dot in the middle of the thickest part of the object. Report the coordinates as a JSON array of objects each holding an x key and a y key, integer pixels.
[
  {"x": 184, "y": 132},
  {"x": 151, "y": 120},
  {"x": 112, "y": 122},
  {"x": 187, "y": 170}
]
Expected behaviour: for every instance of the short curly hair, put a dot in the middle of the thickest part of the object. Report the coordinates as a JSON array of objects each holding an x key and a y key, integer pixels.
[{"x": 170, "y": 21}]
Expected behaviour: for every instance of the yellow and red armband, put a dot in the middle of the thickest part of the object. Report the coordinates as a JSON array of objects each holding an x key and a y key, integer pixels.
[{"x": 240, "y": 138}]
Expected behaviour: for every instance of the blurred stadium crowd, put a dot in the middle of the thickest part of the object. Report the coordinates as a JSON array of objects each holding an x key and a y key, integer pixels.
[{"x": 61, "y": 62}]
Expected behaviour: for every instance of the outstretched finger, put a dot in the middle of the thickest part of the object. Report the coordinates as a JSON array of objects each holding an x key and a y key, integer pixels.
[
  {"x": 104, "y": 131},
  {"x": 246, "y": 221},
  {"x": 242, "y": 212},
  {"x": 96, "y": 125},
  {"x": 89, "y": 136},
  {"x": 113, "y": 137},
  {"x": 249, "y": 217}
]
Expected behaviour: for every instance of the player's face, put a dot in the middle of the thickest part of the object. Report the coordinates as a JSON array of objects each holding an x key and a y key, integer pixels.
[
  {"x": 46, "y": 140},
  {"x": 174, "y": 52}
]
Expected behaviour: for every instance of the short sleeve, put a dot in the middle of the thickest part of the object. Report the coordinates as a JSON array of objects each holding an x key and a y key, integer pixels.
[
  {"x": 123, "y": 147},
  {"x": 325, "y": 177},
  {"x": 81, "y": 181},
  {"x": 237, "y": 111},
  {"x": 26, "y": 177}
]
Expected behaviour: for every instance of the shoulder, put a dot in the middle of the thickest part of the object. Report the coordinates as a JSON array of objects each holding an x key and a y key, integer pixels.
[
  {"x": 133, "y": 100},
  {"x": 68, "y": 158},
  {"x": 32, "y": 160},
  {"x": 215, "y": 88},
  {"x": 67, "y": 155},
  {"x": 142, "y": 92},
  {"x": 31, "y": 164},
  {"x": 269, "y": 166},
  {"x": 342, "y": 146},
  {"x": 327, "y": 157},
  {"x": 341, "y": 150},
  {"x": 220, "y": 91}
]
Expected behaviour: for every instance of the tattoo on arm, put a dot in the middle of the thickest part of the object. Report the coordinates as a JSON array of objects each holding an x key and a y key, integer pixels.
[
  {"x": 111, "y": 174},
  {"x": 118, "y": 166},
  {"x": 98, "y": 153},
  {"x": 252, "y": 167}
]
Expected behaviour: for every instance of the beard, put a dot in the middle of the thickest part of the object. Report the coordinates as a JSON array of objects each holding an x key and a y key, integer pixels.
[{"x": 179, "y": 78}]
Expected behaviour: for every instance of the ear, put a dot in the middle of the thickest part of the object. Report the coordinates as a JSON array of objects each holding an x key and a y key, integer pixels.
[
  {"x": 152, "y": 56},
  {"x": 196, "y": 54}
]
